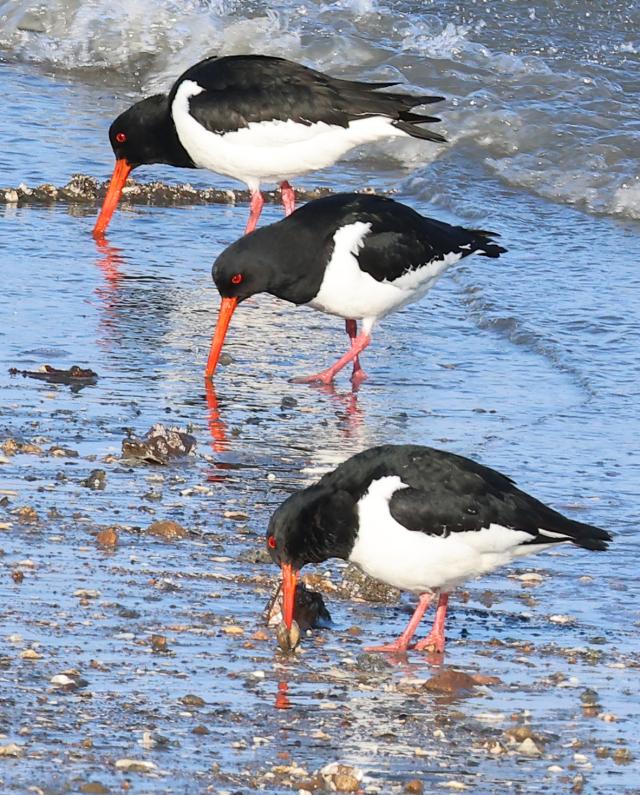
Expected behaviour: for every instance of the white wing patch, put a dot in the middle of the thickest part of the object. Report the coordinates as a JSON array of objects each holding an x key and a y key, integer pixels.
[
  {"x": 270, "y": 151},
  {"x": 349, "y": 292},
  {"x": 418, "y": 562}
]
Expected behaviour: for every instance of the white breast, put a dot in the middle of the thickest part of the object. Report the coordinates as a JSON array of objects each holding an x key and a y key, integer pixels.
[
  {"x": 349, "y": 292},
  {"x": 270, "y": 151},
  {"x": 417, "y": 562}
]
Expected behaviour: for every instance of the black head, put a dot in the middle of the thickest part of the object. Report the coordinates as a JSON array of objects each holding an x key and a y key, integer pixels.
[
  {"x": 244, "y": 269},
  {"x": 311, "y": 526},
  {"x": 145, "y": 133}
]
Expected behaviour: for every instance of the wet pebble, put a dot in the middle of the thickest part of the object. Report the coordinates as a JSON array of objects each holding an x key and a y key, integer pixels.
[
  {"x": 342, "y": 778},
  {"x": 191, "y": 700},
  {"x": 159, "y": 644},
  {"x": 96, "y": 480},
  {"x": 168, "y": 530},
  {"x": 529, "y": 748},
  {"x": 135, "y": 765},
  {"x": 11, "y": 749},
  {"x": 107, "y": 537}
]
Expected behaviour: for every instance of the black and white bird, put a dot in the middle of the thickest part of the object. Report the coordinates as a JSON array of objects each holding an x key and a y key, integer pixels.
[
  {"x": 257, "y": 119},
  {"x": 359, "y": 257},
  {"x": 419, "y": 519}
]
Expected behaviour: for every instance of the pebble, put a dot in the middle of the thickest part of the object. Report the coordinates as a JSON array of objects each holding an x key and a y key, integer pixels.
[
  {"x": 167, "y": 530},
  {"x": 562, "y": 619},
  {"x": 528, "y": 748},
  {"x": 342, "y": 778},
  {"x": 415, "y": 786},
  {"x": 96, "y": 480},
  {"x": 135, "y": 765},
  {"x": 191, "y": 700},
  {"x": 108, "y": 537},
  {"x": 86, "y": 593},
  {"x": 30, "y": 654},
  {"x": 12, "y": 749},
  {"x": 239, "y": 516}
]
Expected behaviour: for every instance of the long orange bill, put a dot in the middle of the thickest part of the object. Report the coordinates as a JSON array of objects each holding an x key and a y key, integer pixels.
[
  {"x": 227, "y": 308},
  {"x": 289, "y": 580},
  {"x": 120, "y": 173}
]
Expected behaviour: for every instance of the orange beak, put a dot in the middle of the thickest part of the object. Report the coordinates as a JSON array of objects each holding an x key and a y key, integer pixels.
[
  {"x": 289, "y": 580},
  {"x": 120, "y": 173},
  {"x": 227, "y": 308}
]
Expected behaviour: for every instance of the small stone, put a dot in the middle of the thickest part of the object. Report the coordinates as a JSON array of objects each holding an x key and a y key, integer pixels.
[
  {"x": 201, "y": 730},
  {"x": 30, "y": 654},
  {"x": 342, "y": 778},
  {"x": 159, "y": 644},
  {"x": 602, "y": 752},
  {"x": 64, "y": 682},
  {"x": 94, "y": 788},
  {"x": 529, "y": 748},
  {"x": 26, "y": 515},
  {"x": 415, "y": 786},
  {"x": 135, "y": 765},
  {"x": 17, "y": 576},
  {"x": 11, "y": 750},
  {"x": 96, "y": 480},
  {"x": 562, "y": 619},
  {"x": 107, "y": 537},
  {"x": 233, "y": 629},
  {"x": 86, "y": 593},
  {"x": 622, "y": 756},
  {"x": 167, "y": 530},
  {"x": 239, "y": 516},
  {"x": 577, "y": 785},
  {"x": 190, "y": 700}
]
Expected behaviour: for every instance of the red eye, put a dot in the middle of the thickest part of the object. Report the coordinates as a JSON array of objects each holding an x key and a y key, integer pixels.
[
  {"x": 121, "y": 137},
  {"x": 236, "y": 278},
  {"x": 271, "y": 542}
]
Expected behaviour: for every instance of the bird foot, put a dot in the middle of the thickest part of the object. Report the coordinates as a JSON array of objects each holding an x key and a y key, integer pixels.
[
  {"x": 396, "y": 647},
  {"x": 358, "y": 377},
  {"x": 325, "y": 377},
  {"x": 434, "y": 643}
]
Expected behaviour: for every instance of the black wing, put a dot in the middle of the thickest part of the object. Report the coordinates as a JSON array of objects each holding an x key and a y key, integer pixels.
[
  {"x": 241, "y": 89},
  {"x": 402, "y": 240},
  {"x": 448, "y": 493}
]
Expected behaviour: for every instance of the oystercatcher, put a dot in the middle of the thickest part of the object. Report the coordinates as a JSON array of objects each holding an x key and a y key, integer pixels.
[
  {"x": 356, "y": 256},
  {"x": 419, "y": 519},
  {"x": 257, "y": 119}
]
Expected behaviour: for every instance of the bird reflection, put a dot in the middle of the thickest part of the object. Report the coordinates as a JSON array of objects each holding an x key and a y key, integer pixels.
[
  {"x": 350, "y": 415},
  {"x": 217, "y": 427},
  {"x": 282, "y": 698}
]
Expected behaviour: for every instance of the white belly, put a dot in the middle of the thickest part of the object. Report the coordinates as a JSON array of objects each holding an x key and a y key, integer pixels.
[
  {"x": 351, "y": 293},
  {"x": 418, "y": 562},
  {"x": 270, "y": 151}
]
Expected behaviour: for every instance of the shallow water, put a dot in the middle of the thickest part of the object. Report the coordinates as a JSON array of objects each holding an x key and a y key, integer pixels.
[{"x": 530, "y": 364}]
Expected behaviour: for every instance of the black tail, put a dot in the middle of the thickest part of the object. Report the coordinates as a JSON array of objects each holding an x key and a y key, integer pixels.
[
  {"x": 367, "y": 99},
  {"x": 484, "y": 245},
  {"x": 587, "y": 536}
]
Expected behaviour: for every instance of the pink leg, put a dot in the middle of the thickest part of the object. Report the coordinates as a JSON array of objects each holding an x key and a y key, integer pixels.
[
  {"x": 435, "y": 639},
  {"x": 288, "y": 197},
  {"x": 358, "y": 375},
  {"x": 257, "y": 202},
  {"x": 402, "y": 644},
  {"x": 358, "y": 344}
]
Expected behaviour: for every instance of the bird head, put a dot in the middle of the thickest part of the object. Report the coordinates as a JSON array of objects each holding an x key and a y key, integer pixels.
[
  {"x": 309, "y": 527},
  {"x": 143, "y": 134},
  {"x": 241, "y": 271}
]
